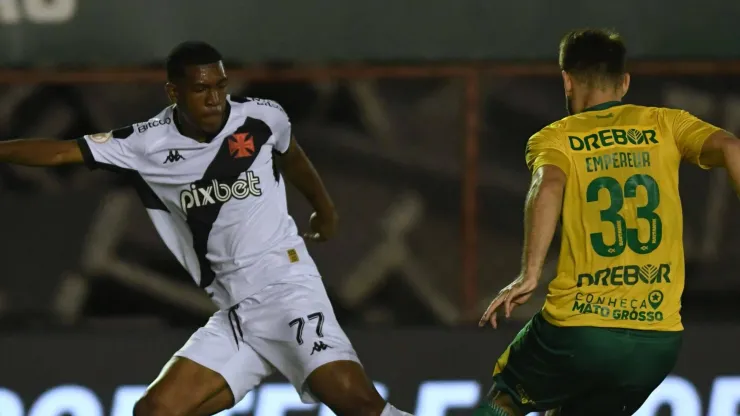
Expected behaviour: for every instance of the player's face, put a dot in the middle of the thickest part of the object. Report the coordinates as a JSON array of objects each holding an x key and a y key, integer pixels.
[{"x": 201, "y": 95}]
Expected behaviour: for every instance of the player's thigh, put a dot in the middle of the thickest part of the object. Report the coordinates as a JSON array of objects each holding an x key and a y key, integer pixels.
[
  {"x": 634, "y": 364},
  {"x": 213, "y": 370},
  {"x": 292, "y": 324},
  {"x": 345, "y": 388},
  {"x": 650, "y": 357},
  {"x": 539, "y": 369},
  {"x": 616, "y": 402}
]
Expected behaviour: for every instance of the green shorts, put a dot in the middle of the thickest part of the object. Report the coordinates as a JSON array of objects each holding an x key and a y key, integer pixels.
[{"x": 584, "y": 370}]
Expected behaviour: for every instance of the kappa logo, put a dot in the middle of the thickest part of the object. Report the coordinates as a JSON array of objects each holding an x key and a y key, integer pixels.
[
  {"x": 241, "y": 145},
  {"x": 319, "y": 346},
  {"x": 173, "y": 157}
]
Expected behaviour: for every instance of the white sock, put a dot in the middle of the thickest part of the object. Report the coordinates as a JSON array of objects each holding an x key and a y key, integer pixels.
[{"x": 389, "y": 410}]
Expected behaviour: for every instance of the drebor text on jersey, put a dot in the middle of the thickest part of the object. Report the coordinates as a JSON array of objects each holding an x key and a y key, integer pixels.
[{"x": 612, "y": 137}]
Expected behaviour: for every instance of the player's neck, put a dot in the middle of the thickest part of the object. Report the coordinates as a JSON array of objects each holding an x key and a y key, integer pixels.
[
  {"x": 189, "y": 130},
  {"x": 595, "y": 98}
]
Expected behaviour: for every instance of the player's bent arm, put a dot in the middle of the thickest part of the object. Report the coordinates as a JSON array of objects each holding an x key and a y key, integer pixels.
[
  {"x": 541, "y": 213},
  {"x": 40, "y": 152},
  {"x": 299, "y": 171},
  {"x": 721, "y": 149}
]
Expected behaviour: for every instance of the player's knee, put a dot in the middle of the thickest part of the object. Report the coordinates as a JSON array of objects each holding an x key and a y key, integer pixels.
[
  {"x": 346, "y": 396},
  {"x": 359, "y": 401},
  {"x": 344, "y": 387},
  {"x": 150, "y": 405},
  {"x": 365, "y": 405}
]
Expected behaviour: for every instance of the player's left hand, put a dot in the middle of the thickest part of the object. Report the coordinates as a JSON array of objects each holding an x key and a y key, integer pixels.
[
  {"x": 516, "y": 293},
  {"x": 323, "y": 227}
]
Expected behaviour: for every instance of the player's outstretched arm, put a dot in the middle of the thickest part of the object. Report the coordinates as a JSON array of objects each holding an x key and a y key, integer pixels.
[
  {"x": 721, "y": 149},
  {"x": 541, "y": 213},
  {"x": 40, "y": 152},
  {"x": 299, "y": 171}
]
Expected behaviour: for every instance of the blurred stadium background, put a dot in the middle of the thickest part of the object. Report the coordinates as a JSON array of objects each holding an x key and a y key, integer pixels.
[{"x": 416, "y": 114}]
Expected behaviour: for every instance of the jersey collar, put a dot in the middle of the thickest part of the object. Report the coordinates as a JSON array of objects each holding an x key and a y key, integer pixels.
[{"x": 603, "y": 106}]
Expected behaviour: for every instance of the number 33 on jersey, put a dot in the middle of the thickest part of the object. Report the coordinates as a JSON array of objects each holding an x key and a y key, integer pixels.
[{"x": 621, "y": 259}]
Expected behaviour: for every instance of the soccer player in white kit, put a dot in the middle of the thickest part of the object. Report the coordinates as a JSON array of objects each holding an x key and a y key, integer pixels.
[{"x": 206, "y": 170}]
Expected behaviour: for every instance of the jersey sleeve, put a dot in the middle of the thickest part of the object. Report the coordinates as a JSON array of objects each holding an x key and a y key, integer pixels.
[
  {"x": 544, "y": 148},
  {"x": 111, "y": 151},
  {"x": 690, "y": 133},
  {"x": 281, "y": 128}
]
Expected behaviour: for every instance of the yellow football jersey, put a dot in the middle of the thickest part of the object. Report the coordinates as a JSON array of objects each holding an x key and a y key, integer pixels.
[{"x": 621, "y": 258}]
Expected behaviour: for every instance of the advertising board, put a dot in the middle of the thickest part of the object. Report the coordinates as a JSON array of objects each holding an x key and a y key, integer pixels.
[{"x": 427, "y": 372}]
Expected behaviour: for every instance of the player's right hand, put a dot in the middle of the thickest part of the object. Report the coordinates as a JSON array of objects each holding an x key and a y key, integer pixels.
[
  {"x": 323, "y": 227},
  {"x": 516, "y": 293}
]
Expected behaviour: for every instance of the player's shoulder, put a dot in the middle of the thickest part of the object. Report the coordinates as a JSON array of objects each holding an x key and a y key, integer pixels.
[
  {"x": 651, "y": 116},
  {"x": 139, "y": 135},
  {"x": 258, "y": 107},
  {"x": 141, "y": 131},
  {"x": 584, "y": 121},
  {"x": 551, "y": 132},
  {"x": 647, "y": 111},
  {"x": 155, "y": 126},
  {"x": 668, "y": 113}
]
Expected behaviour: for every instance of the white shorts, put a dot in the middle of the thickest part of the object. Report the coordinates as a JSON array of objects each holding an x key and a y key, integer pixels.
[{"x": 289, "y": 326}]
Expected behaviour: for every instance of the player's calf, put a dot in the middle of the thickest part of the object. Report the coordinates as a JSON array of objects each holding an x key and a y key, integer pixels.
[{"x": 347, "y": 391}]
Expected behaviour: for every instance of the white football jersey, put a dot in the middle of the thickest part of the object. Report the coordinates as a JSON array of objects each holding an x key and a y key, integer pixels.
[{"x": 220, "y": 206}]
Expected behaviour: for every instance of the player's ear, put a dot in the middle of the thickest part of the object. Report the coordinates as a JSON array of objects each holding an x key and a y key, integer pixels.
[
  {"x": 625, "y": 84},
  {"x": 567, "y": 82},
  {"x": 171, "y": 90}
]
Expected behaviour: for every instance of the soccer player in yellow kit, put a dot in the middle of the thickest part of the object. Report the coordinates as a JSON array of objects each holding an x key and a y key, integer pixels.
[{"x": 610, "y": 330}]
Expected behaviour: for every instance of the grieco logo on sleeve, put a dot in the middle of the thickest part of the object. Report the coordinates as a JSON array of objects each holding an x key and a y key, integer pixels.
[{"x": 216, "y": 192}]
